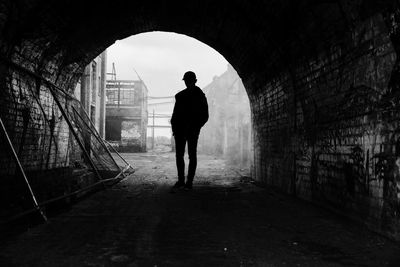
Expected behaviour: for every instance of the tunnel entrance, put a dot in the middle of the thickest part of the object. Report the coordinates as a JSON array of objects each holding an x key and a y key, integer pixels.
[
  {"x": 322, "y": 80},
  {"x": 153, "y": 64}
]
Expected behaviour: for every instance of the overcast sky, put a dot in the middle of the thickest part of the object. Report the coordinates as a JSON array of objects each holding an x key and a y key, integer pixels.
[{"x": 161, "y": 59}]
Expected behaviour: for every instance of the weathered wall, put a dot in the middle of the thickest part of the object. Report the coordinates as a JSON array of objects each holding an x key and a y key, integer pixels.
[
  {"x": 48, "y": 152},
  {"x": 90, "y": 91},
  {"x": 322, "y": 78},
  {"x": 41, "y": 139},
  {"x": 328, "y": 129},
  {"x": 126, "y": 121}
]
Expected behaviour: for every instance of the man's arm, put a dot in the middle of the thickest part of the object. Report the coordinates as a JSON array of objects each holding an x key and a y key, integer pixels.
[
  {"x": 204, "y": 111},
  {"x": 173, "y": 117}
]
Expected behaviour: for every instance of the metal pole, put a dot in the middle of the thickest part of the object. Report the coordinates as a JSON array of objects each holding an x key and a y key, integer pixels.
[
  {"x": 152, "y": 130},
  {"x": 119, "y": 94},
  {"x": 114, "y": 72},
  {"x": 22, "y": 171},
  {"x": 115, "y": 151},
  {"x": 95, "y": 133},
  {"x": 116, "y": 178},
  {"x": 74, "y": 133}
]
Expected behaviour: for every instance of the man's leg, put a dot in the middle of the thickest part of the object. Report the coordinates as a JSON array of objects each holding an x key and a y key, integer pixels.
[
  {"x": 192, "y": 151},
  {"x": 180, "y": 143}
]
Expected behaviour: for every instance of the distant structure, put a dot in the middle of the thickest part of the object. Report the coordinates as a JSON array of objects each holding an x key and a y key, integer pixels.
[
  {"x": 228, "y": 131},
  {"x": 90, "y": 91},
  {"x": 126, "y": 114}
]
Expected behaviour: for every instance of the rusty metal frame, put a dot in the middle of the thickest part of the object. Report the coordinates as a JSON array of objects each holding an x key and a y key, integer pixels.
[
  {"x": 71, "y": 128},
  {"x": 96, "y": 134},
  {"x": 36, "y": 204}
]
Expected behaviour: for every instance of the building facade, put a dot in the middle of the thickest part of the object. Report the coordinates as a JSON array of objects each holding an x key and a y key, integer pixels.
[
  {"x": 126, "y": 115},
  {"x": 228, "y": 131},
  {"x": 90, "y": 91}
]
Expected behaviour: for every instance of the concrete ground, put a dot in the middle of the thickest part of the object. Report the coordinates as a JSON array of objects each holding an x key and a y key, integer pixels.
[{"x": 225, "y": 220}]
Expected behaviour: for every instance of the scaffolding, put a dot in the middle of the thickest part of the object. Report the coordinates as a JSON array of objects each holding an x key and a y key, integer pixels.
[{"x": 48, "y": 140}]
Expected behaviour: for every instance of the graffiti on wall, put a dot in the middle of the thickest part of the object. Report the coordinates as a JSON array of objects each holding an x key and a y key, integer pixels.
[
  {"x": 130, "y": 131},
  {"x": 348, "y": 149},
  {"x": 355, "y": 172}
]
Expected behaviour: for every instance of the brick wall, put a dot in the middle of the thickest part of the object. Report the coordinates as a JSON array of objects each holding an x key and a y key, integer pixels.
[
  {"x": 328, "y": 129},
  {"x": 323, "y": 80},
  {"x": 41, "y": 139}
]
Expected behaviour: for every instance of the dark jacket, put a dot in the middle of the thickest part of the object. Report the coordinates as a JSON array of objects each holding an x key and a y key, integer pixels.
[{"x": 190, "y": 111}]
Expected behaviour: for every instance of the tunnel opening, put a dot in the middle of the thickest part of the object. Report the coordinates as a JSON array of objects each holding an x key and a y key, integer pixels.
[
  {"x": 175, "y": 53},
  {"x": 160, "y": 59}
]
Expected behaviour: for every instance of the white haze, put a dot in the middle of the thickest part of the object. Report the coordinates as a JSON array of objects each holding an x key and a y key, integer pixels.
[{"x": 161, "y": 59}]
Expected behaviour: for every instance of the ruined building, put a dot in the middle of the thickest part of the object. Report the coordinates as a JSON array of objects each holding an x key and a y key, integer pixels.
[
  {"x": 228, "y": 130},
  {"x": 126, "y": 115},
  {"x": 90, "y": 91}
]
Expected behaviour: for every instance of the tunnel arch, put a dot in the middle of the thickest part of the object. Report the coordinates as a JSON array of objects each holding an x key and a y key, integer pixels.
[
  {"x": 251, "y": 37},
  {"x": 63, "y": 37},
  {"x": 322, "y": 79}
]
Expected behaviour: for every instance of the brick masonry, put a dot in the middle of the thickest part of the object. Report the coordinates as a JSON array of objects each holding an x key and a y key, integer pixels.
[
  {"x": 328, "y": 130},
  {"x": 41, "y": 139},
  {"x": 323, "y": 81}
]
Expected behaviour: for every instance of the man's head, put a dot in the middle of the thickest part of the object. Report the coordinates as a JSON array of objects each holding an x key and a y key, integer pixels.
[{"x": 190, "y": 78}]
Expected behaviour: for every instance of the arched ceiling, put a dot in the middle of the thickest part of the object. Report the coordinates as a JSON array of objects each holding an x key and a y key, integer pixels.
[{"x": 259, "y": 38}]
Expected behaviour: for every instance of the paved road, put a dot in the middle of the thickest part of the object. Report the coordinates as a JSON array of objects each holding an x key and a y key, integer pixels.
[{"x": 225, "y": 221}]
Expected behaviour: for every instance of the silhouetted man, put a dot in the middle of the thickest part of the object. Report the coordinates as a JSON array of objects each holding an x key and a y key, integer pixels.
[{"x": 190, "y": 114}]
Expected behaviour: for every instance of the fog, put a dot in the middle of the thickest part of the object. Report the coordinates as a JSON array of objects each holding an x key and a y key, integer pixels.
[
  {"x": 160, "y": 59},
  {"x": 228, "y": 131}
]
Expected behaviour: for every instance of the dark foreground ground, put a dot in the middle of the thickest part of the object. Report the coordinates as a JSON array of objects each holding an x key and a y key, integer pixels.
[{"x": 225, "y": 221}]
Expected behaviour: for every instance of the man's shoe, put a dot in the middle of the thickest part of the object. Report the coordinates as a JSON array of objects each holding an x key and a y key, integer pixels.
[
  {"x": 179, "y": 185},
  {"x": 188, "y": 186}
]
